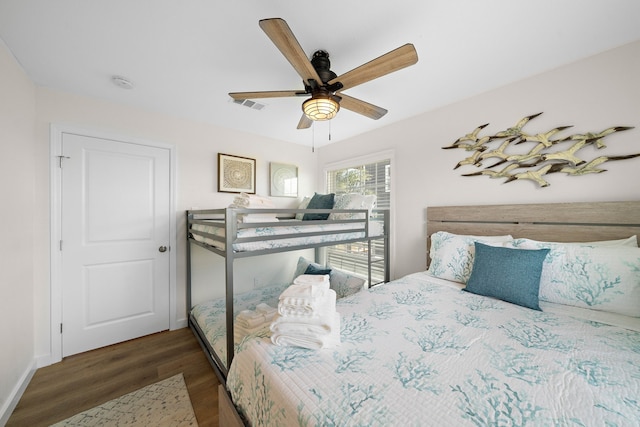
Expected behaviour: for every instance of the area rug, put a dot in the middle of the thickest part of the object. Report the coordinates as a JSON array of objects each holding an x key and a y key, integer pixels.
[{"x": 165, "y": 403}]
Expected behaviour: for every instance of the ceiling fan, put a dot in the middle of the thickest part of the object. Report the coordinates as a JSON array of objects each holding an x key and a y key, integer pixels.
[{"x": 322, "y": 84}]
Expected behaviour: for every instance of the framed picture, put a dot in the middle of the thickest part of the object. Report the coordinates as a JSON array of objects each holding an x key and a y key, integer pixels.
[
  {"x": 236, "y": 174},
  {"x": 284, "y": 180}
]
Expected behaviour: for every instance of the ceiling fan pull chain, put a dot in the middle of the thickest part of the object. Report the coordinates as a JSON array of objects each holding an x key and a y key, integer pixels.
[{"x": 313, "y": 137}]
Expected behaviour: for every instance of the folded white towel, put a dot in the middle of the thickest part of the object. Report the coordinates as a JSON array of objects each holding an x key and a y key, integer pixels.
[
  {"x": 311, "y": 343},
  {"x": 312, "y": 279},
  {"x": 307, "y": 339},
  {"x": 265, "y": 309},
  {"x": 311, "y": 289},
  {"x": 251, "y": 201},
  {"x": 253, "y": 319},
  {"x": 321, "y": 325},
  {"x": 308, "y": 307}
]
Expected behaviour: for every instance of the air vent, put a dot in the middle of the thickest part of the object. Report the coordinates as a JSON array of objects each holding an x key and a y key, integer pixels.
[{"x": 249, "y": 104}]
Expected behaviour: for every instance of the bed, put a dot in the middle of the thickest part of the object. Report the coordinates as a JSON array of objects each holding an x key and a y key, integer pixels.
[
  {"x": 421, "y": 351},
  {"x": 236, "y": 233}
]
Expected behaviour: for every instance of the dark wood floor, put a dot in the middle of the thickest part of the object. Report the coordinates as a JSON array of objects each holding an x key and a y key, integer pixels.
[{"x": 85, "y": 380}]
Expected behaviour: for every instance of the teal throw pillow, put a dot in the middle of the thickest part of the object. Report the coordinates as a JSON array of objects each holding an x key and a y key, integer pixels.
[
  {"x": 319, "y": 201},
  {"x": 512, "y": 275}
]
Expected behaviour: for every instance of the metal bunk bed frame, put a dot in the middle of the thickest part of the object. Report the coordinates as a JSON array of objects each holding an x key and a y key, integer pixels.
[{"x": 229, "y": 218}]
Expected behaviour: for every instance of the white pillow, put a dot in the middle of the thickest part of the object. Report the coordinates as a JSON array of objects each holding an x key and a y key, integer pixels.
[
  {"x": 303, "y": 205},
  {"x": 347, "y": 201},
  {"x": 535, "y": 244},
  {"x": 629, "y": 241},
  {"x": 573, "y": 274},
  {"x": 605, "y": 278},
  {"x": 452, "y": 254},
  {"x": 369, "y": 203}
]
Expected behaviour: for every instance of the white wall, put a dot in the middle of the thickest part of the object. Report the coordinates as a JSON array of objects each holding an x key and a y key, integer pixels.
[
  {"x": 592, "y": 94},
  {"x": 17, "y": 117},
  {"x": 197, "y": 146}
]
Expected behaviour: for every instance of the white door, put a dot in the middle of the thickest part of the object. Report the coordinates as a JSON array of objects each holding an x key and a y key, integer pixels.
[{"x": 115, "y": 220}]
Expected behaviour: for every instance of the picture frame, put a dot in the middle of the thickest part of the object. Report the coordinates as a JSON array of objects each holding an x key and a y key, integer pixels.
[
  {"x": 236, "y": 174},
  {"x": 283, "y": 180}
]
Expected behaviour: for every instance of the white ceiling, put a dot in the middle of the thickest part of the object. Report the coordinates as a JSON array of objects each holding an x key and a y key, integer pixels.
[{"x": 185, "y": 56}]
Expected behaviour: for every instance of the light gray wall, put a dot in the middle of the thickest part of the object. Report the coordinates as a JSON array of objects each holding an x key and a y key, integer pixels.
[
  {"x": 592, "y": 94},
  {"x": 17, "y": 117}
]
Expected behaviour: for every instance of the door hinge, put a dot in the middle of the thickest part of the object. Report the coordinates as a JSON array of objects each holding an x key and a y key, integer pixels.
[
  {"x": 60, "y": 327},
  {"x": 61, "y": 245},
  {"x": 60, "y": 158}
]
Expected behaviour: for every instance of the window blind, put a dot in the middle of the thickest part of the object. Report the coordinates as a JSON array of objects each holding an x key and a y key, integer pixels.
[{"x": 365, "y": 179}]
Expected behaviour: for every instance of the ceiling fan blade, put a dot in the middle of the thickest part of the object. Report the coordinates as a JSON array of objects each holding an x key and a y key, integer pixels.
[
  {"x": 361, "y": 107},
  {"x": 266, "y": 94},
  {"x": 388, "y": 63},
  {"x": 305, "y": 122},
  {"x": 282, "y": 36}
]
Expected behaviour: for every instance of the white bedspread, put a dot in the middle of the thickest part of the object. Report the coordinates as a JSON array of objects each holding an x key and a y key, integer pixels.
[{"x": 416, "y": 352}]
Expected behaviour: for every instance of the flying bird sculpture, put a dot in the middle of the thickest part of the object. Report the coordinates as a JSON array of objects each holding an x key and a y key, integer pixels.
[
  {"x": 517, "y": 129},
  {"x": 472, "y": 137},
  {"x": 473, "y": 159},
  {"x": 568, "y": 155},
  {"x": 544, "y": 154},
  {"x": 498, "y": 152},
  {"x": 544, "y": 138},
  {"x": 533, "y": 154},
  {"x": 503, "y": 173},
  {"x": 535, "y": 176},
  {"x": 596, "y": 138},
  {"x": 479, "y": 145},
  {"x": 588, "y": 167}
]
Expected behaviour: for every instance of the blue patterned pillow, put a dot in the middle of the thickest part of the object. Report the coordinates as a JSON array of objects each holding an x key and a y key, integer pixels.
[
  {"x": 512, "y": 275},
  {"x": 590, "y": 275},
  {"x": 319, "y": 201},
  {"x": 452, "y": 254}
]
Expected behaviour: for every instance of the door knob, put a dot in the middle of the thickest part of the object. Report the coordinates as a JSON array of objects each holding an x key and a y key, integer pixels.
[{"x": 162, "y": 248}]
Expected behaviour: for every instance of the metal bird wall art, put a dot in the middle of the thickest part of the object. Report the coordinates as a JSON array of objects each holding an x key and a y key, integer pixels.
[{"x": 544, "y": 153}]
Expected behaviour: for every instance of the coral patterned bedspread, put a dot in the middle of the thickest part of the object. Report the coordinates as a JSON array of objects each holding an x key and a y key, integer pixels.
[{"x": 419, "y": 351}]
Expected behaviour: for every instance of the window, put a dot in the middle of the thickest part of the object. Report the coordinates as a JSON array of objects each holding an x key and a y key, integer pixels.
[{"x": 366, "y": 179}]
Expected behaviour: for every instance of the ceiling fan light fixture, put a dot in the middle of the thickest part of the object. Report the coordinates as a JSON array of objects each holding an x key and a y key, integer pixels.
[{"x": 321, "y": 106}]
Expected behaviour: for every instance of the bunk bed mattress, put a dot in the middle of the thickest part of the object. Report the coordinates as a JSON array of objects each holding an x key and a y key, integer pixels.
[
  {"x": 332, "y": 233},
  {"x": 419, "y": 350},
  {"x": 211, "y": 315}
]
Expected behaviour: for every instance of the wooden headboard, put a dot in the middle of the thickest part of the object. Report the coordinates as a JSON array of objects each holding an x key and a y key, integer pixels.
[{"x": 558, "y": 222}]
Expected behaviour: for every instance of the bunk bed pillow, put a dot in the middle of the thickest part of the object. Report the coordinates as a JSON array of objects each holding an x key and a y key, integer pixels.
[
  {"x": 452, "y": 254},
  {"x": 347, "y": 201},
  {"x": 313, "y": 270},
  {"x": 511, "y": 275},
  {"x": 303, "y": 205},
  {"x": 319, "y": 201},
  {"x": 343, "y": 283}
]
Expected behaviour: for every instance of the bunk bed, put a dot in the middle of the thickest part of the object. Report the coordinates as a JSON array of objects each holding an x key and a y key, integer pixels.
[
  {"x": 421, "y": 351},
  {"x": 236, "y": 233}
]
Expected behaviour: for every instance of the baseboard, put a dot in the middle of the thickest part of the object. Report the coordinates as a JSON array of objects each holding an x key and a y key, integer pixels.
[
  {"x": 13, "y": 398},
  {"x": 180, "y": 323},
  {"x": 45, "y": 360}
]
